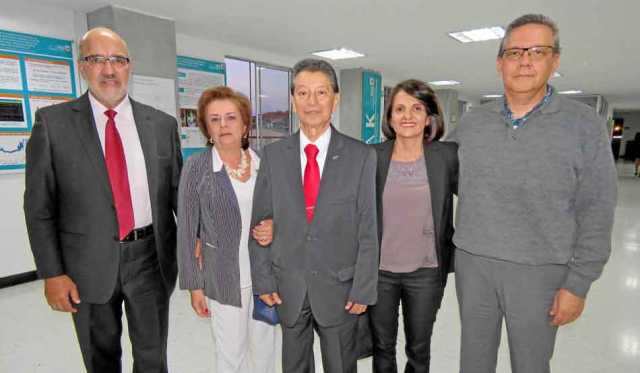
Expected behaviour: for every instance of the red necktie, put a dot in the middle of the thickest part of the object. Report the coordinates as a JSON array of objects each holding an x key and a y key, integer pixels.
[
  {"x": 311, "y": 180},
  {"x": 118, "y": 177}
]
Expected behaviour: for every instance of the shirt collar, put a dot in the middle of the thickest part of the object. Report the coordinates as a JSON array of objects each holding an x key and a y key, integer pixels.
[
  {"x": 217, "y": 161},
  {"x": 321, "y": 142},
  {"x": 98, "y": 108},
  {"x": 508, "y": 114}
]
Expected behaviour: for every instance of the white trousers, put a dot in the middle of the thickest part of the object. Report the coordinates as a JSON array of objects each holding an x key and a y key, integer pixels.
[{"x": 242, "y": 344}]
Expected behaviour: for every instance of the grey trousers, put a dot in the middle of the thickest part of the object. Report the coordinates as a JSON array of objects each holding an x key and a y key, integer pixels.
[
  {"x": 490, "y": 290},
  {"x": 337, "y": 345},
  {"x": 146, "y": 302}
]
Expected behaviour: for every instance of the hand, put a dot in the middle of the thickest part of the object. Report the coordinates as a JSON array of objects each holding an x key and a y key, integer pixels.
[
  {"x": 199, "y": 303},
  {"x": 566, "y": 307},
  {"x": 263, "y": 232},
  {"x": 60, "y": 292},
  {"x": 271, "y": 299},
  {"x": 355, "y": 308},
  {"x": 198, "y": 254}
]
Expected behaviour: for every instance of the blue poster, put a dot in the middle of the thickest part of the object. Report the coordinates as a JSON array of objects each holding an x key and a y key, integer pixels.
[
  {"x": 194, "y": 76},
  {"x": 35, "y": 71},
  {"x": 371, "y": 111}
]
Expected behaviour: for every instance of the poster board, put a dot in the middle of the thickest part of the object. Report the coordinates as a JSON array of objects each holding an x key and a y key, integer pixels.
[
  {"x": 194, "y": 76},
  {"x": 35, "y": 71}
]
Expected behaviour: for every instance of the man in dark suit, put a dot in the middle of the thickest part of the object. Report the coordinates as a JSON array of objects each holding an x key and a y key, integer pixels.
[
  {"x": 101, "y": 185},
  {"x": 321, "y": 268}
]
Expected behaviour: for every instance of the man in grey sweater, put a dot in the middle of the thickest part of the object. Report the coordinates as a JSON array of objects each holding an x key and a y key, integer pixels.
[{"x": 535, "y": 211}]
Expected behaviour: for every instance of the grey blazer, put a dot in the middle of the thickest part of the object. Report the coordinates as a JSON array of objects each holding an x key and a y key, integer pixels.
[
  {"x": 335, "y": 258},
  {"x": 68, "y": 204},
  {"x": 208, "y": 209}
]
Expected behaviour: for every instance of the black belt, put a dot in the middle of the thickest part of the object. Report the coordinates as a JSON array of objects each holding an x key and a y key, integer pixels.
[{"x": 138, "y": 234}]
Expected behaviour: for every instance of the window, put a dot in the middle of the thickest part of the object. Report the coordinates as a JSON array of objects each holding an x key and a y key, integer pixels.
[{"x": 267, "y": 87}]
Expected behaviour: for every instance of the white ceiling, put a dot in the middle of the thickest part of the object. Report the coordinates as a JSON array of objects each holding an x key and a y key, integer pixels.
[{"x": 408, "y": 38}]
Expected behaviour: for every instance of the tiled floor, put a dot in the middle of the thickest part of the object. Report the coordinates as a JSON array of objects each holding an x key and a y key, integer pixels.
[{"x": 606, "y": 339}]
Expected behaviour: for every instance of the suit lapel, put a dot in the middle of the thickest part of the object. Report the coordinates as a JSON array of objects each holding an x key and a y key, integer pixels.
[
  {"x": 146, "y": 134},
  {"x": 84, "y": 126},
  {"x": 384, "y": 159},
  {"x": 331, "y": 170},
  {"x": 436, "y": 174},
  {"x": 294, "y": 171}
]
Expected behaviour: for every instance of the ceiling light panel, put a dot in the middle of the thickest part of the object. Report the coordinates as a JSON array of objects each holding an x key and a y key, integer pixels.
[
  {"x": 570, "y": 92},
  {"x": 444, "y": 82},
  {"x": 478, "y": 35},
  {"x": 338, "y": 54}
]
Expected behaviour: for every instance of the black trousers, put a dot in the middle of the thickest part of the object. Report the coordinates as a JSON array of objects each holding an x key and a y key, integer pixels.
[
  {"x": 146, "y": 302},
  {"x": 421, "y": 294},
  {"x": 337, "y": 345}
]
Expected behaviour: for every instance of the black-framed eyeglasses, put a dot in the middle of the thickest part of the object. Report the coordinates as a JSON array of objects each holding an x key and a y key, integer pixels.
[
  {"x": 536, "y": 53},
  {"x": 114, "y": 61}
]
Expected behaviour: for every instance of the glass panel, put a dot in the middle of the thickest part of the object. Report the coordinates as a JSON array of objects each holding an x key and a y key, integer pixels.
[
  {"x": 267, "y": 88},
  {"x": 239, "y": 77},
  {"x": 273, "y": 88}
]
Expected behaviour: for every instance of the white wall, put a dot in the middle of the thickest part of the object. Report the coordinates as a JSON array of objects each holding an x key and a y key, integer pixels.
[
  {"x": 214, "y": 50},
  {"x": 15, "y": 255}
]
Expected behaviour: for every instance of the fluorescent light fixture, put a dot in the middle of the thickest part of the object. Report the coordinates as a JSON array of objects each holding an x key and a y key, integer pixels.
[
  {"x": 338, "y": 54},
  {"x": 491, "y": 96},
  {"x": 480, "y": 34},
  {"x": 570, "y": 92},
  {"x": 444, "y": 82}
]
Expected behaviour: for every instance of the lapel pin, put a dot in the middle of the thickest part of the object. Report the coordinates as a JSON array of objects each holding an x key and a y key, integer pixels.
[{"x": 335, "y": 157}]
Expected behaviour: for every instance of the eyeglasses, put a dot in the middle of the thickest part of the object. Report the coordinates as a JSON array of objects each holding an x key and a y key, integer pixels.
[
  {"x": 117, "y": 62},
  {"x": 536, "y": 53}
]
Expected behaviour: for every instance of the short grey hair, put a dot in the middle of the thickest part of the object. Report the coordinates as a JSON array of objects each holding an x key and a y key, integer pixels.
[
  {"x": 528, "y": 19},
  {"x": 315, "y": 65}
]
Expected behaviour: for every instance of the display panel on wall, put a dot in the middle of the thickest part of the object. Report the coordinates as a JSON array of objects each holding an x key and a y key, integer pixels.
[
  {"x": 35, "y": 71},
  {"x": 194, "y": 76},
  {"x": 371, "y": 110}
]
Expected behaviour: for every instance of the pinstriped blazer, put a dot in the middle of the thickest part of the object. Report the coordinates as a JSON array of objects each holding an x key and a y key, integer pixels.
[{"x": 208, "y": 209}]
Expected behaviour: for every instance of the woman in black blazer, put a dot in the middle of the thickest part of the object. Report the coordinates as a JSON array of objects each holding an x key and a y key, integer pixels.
[{"x": 416, "y": 178}]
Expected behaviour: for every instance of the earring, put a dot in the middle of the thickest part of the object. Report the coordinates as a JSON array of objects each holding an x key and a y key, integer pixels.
[{"x": 211, "y": 140}]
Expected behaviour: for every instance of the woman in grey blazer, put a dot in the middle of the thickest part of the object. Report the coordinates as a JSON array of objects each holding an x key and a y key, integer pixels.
[
  {"x": 214, "y": 213},
  {"x": 415, "y": 182}
]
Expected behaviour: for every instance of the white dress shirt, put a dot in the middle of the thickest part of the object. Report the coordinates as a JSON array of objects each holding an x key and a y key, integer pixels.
[
  {"x": 134, "y": 157},
  {"x": 322, "y": 143},
  {"x": 244, "y": 195}
]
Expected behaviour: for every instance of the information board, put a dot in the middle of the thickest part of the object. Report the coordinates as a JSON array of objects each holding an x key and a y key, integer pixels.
[
  {"x": 35, "y": 71},
  {"x": 194, "y": 76}
]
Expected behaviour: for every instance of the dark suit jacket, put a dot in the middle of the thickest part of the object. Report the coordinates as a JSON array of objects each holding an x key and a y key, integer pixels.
[
  {"x": 68, "y": 204},
  {"x": 335, "y": 258},
  {"x": 441, "y": 159}
]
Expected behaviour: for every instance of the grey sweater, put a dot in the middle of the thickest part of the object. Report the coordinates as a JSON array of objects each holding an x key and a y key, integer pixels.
[{"x": 544, "y": 193}]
